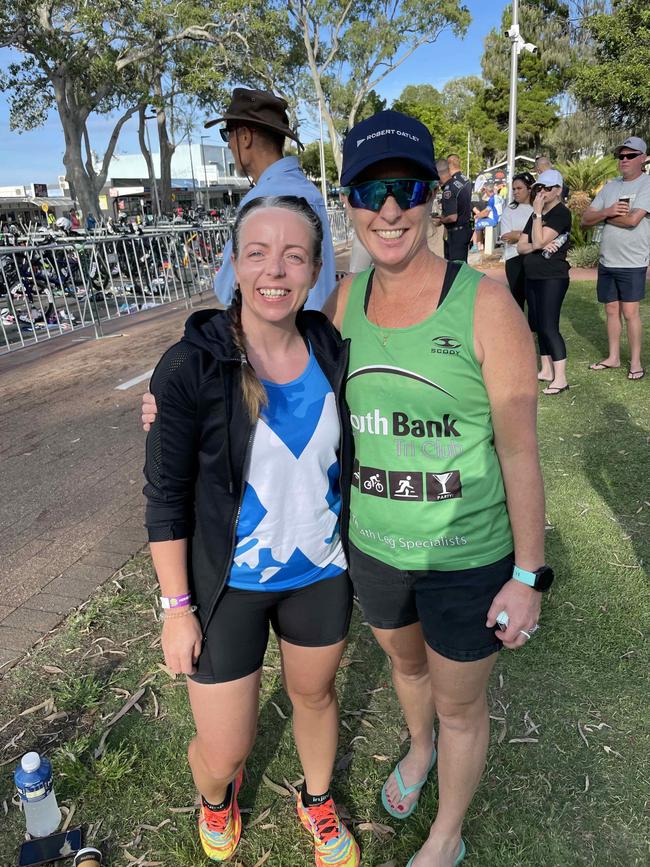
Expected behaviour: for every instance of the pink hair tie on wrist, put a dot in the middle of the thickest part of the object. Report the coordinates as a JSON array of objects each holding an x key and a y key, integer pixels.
[{"x": 175, "y": 601}]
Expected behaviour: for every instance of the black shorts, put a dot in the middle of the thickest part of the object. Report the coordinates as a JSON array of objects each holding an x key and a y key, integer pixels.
[
  {"x": 452, "y": 606},
  {"x": 314, "y": 616},
  {"x": 620, "y": 284}
]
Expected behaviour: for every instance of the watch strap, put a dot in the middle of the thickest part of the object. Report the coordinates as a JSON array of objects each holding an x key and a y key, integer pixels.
[{"x": 529, "y": 578}]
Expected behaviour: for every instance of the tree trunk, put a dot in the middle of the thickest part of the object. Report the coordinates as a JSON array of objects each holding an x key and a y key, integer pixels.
[
  {"x": 167, "y": 148},
  {"x": 81, "y": 175},
  {"x": 73, "y": 123},
  {"x": 146, "y": 153},
  {"x": 86, "y": 192},
  {"x": 333, "y": 134}
]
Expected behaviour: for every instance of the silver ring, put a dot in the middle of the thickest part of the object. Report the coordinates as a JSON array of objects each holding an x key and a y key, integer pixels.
[{"x": 527, "y": 634}]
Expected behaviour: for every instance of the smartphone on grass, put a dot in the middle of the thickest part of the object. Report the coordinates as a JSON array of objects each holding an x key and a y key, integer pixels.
[{"x": 43, "y": 850}]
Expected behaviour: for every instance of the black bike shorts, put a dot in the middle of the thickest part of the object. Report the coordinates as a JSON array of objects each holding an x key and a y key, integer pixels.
[
  {"x": 235, "y": 642},
  {"x": 451, "y": 606}
]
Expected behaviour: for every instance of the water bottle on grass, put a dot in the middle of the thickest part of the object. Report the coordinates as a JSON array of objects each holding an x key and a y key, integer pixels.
[{"x": 33, "y": 778}]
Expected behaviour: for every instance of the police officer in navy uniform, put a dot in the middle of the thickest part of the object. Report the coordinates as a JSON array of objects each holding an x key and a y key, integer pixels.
[
  {"x": 454, "y": 169},
  {"x": 456, "y": 211}
]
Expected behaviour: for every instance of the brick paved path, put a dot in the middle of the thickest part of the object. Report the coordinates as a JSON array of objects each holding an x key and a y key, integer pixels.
[{"x": 71, "y": 507}]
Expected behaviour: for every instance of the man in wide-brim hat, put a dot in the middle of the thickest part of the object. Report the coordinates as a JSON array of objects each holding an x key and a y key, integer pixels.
[{"x": 256, "y": 125}]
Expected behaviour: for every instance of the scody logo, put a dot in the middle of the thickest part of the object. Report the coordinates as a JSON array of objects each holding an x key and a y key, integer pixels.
[{"x": 445, "y": 345}]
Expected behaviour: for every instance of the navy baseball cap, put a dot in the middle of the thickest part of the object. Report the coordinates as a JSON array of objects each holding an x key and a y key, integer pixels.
[{"x": 388, "y": 135}]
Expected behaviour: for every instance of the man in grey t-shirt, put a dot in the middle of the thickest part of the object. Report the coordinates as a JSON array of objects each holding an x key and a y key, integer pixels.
[{"x": 623, "y": 206}]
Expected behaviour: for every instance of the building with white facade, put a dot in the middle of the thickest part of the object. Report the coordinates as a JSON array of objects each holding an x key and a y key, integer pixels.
[{"x": 202, "y": 175}]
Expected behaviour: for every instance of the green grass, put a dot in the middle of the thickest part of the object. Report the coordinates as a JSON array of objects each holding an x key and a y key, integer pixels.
[{"x": 574, "y": 796}]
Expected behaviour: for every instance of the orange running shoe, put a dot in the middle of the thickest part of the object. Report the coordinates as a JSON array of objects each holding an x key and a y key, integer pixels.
[
  {"x": 220, "y": 830},
  {"x": 334, "y": 843}
]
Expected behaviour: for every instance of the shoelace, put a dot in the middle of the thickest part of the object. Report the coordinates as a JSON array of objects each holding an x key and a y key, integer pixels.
[
  {"x": 325, "y": 820},
  {"x": 216, "y": 821}
]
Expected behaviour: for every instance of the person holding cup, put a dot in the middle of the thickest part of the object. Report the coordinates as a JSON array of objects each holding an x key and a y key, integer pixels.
[{"x": 623, "y": 207}]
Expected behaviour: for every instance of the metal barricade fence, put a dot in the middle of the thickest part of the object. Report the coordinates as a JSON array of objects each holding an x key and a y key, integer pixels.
[
  {"x": 339, "y": 226},
  {"x": 50, "y": 289}
]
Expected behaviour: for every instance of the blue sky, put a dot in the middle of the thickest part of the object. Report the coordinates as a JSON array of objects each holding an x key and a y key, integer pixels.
[{"x": 36, "y": 156}]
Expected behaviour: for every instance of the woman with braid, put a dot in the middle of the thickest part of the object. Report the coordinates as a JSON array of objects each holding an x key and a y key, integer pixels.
[{"x": 245, "y": 512}]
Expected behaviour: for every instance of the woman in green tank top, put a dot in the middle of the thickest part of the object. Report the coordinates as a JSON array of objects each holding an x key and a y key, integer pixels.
[{"x": 447, "y": 504}]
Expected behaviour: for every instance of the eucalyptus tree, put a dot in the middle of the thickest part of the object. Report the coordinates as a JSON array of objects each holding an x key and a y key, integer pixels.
[
  {"x": 351, "y": 46},
  {"x": 614, "y": 85},
  {"x": 84, "y": 59}
]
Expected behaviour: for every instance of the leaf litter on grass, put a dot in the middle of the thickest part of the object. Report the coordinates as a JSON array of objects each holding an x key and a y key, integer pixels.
[{"x": 572, "y": 797}]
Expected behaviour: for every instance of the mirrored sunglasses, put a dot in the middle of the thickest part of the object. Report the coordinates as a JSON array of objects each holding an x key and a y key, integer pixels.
[{"x": 371, "y": 195}]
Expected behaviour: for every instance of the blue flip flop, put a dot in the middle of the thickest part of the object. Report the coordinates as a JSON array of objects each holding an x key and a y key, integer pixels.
[
  {"x": 405, "y": 791},
  {"x": 459, "y": 858}
]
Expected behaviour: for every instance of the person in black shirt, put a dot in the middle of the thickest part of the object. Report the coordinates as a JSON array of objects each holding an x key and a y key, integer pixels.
[
  {"x": 544, "y": 243},
  {"x": 456, "y": 212},
  {"x": 454, "y": 168}
]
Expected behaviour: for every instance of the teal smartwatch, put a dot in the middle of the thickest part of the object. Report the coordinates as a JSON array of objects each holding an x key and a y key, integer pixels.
[{"x": 541, "y": 579}]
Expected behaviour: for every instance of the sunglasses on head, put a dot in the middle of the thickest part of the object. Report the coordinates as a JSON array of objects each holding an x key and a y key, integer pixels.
[
  {"x": 539, "y": 187},
  {"x": 371, "y": 195},
  {"x": 628, "y": 156}
]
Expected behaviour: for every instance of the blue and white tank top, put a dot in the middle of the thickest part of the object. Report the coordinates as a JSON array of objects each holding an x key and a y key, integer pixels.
[{"x": 288, "y": 528}]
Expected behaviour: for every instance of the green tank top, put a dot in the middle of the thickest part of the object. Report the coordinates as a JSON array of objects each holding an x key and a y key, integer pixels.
[{"x": 427, "y": 490}]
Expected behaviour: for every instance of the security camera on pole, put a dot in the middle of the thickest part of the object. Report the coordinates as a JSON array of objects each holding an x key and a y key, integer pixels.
[{"x": 518, "y": 45}]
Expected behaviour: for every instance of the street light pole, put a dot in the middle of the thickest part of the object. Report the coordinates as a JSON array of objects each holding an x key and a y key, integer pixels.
[
  {"x": 517, "y": 46},
  {"x": 155, "y": 183},
  {"x": 189, "y": 143},
  {"x": 515, "y": 39},
  {"x": 205, "y": 175}
]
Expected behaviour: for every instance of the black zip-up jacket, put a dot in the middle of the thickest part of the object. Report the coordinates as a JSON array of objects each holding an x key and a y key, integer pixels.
[{"x": 197, "y": 447}]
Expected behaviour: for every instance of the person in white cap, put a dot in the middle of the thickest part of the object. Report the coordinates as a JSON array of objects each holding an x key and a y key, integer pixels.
[{"x": 623, "y": 207}]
